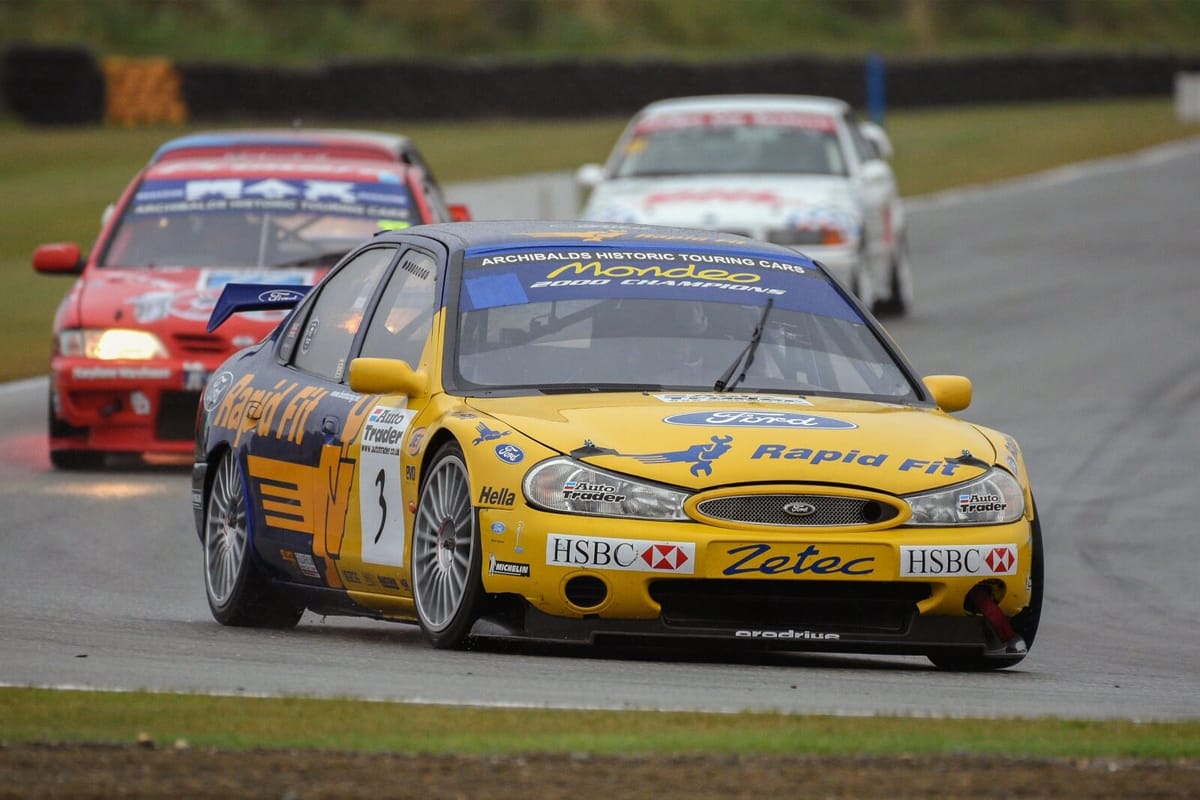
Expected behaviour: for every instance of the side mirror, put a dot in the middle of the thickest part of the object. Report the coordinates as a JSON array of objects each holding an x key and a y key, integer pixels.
[
  {"x": 61, "y": 258},
  {"x": 950, "y": 392},
  {"x": 589, "y": 175},
  {"x": 878, "y": 138},
  {"x": 387, "y": 376},
  {"x": 459, "y": 212}
]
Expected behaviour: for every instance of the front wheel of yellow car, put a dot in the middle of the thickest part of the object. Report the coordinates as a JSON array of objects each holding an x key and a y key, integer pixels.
[
  {"x": 446, "y": 558},
  {"x": 1025, "y": 623},
  {"x": 238, "y": 593}
]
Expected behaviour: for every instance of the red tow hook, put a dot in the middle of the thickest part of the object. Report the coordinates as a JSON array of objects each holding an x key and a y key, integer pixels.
[{"x": 981, "y": 596}]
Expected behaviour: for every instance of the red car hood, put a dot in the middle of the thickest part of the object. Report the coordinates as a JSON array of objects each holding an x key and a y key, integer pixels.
[{"x": 177, "y": 301}]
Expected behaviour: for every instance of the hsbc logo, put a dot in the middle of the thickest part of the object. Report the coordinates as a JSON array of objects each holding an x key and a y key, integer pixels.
[
  {"x": 983, "y": 560},
  {"x": 620, "y": 554}
]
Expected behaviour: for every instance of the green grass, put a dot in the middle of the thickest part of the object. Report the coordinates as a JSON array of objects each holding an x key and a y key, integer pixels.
[
  {"x": 54, "y": 183},
  {"x": 47, "y": 716}
]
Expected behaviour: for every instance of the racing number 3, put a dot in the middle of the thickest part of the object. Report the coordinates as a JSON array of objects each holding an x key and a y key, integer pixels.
[{"x": 379, "y": 481}]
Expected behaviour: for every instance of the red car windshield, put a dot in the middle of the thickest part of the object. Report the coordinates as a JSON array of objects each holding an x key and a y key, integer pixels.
[{"x": 253, "y": 222}]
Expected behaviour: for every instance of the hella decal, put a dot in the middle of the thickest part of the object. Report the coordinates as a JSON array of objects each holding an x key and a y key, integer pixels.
[
  {"x": 983, "y": 559},
  {"x": 620, "y": 554},
  {"x": 737, "y": 418}
]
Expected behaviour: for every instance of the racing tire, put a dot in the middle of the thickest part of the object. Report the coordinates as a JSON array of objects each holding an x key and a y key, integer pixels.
[
  {"x": 446, "y": 552},
  {"x": 861, "y": 282},
  {"x": 899, "y": 301},
  {"x": 1025, "y": 623},
  {"x": 238, "y": 592}
]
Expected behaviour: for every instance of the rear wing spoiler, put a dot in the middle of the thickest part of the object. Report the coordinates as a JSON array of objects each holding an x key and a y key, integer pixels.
[{"x": 237, "y": 297}]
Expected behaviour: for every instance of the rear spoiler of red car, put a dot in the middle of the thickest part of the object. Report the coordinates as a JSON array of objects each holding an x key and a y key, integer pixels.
[{"x": 236, "y": 297}]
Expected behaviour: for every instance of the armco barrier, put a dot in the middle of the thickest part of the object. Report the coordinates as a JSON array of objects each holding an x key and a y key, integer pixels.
[{"x": 65, "y": 85}]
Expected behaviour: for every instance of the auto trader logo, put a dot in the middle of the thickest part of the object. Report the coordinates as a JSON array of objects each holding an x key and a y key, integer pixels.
[{"x": 626, "y": 555}]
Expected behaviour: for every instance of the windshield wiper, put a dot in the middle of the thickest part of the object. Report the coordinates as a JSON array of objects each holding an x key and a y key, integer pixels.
[{"x": 723, "y": 383}]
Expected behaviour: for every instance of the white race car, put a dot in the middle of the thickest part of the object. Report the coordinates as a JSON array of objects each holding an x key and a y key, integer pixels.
[{"x": 799, "y": 171}]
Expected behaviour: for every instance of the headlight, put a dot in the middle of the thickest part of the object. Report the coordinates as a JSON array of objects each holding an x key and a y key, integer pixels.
[
  {"x": 990, "y": 499},
  {"x": 111, "y": 344},
  {"x": 562, "y": 484}
]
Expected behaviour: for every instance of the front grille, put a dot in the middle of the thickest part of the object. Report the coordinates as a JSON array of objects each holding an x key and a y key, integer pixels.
[
  {"x": 807, "y": 510},
  {"x": 845, "y": 606},
  {"x": 177, "y": 416},
  {"x": 201, "y": 343}
]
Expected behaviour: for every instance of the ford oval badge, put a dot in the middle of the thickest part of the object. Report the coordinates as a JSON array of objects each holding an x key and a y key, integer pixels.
[{"x": 799, "y": 508}]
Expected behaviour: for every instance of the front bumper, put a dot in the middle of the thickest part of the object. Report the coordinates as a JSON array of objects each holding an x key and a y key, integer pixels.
[
  {"x": 898, "y": 590},
  {"x": 126, "y": 406}
]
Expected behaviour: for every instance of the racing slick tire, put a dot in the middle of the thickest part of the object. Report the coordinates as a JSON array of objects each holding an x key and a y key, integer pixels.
[
  {"x": 446, "y": 552},
  {"x": 1025, "y": 623},
  {"x": 238, "y": 592}
]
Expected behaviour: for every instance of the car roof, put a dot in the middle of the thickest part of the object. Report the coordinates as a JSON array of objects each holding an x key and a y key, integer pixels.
[
  {"x": 512, "y": 234},
  {"x": 358, "y": 170},
  {"x": 756, "y": 102},
  {"x": 331, "y": 142}
]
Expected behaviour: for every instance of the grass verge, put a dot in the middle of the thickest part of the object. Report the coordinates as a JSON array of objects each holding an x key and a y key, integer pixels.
[{"x": 48, "y": 716}]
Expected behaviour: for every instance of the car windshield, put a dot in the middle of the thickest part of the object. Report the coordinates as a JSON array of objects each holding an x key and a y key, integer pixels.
[
  {"x": 774, "y": 144},
  {"x": 611, "y": 320},
  {"x": 259, "y": 223}
]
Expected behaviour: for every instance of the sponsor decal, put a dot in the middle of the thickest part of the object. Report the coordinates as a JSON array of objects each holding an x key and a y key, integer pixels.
[
  {"x": 281, "y": 412},
  {"x": 739, "y": 418},
  {"x": 496, "y": 496},
  {"x": 786, "y": 634},
  {"x": 777, "y": 451},
  {"x": 514, "y": 568},
  {"x": 487, "y": 434},
  {"x": 388, "y": 583},
  {"x": 351, "y": 576},
  {"x": 122, "y": 373},
  {"x": 975, "y": 503},
  {"x": 280, "y": 296},
  {"x": 766, "y": 559},
  {"x": 498, "y": 528},
  {"x": 307, "y": 566},
  {"x": 415, "y": 441},
  {"x": 563, "y": 550},
  {"x": 954, "y": 560},
  {"x": 510, "y": 453},
  {"x": 696, "y": 397},
  {"x": 194, "y": 376},
  {"x": 591, "y": 492},
  {"x": 139, "y": 403},
  {"x": 380, "y": 505},
  {"x": 700, "y": 456}
]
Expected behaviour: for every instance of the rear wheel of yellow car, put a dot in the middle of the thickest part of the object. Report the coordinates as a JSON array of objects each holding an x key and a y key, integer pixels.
[
  {"x": 446, "y": 558},
  {"x": 238, "y": 592}
]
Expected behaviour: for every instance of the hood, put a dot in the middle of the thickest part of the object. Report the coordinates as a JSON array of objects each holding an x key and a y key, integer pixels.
[
  {"x": 699, "y": 441},
  {"x": 727, "y": 202},
  {"x": 171, "y": 301}
]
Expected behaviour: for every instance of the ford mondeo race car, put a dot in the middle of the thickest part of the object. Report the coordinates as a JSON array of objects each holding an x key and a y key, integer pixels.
[
  {"x": 800, "y": 171},
  {"x": 130, "y": 351},
  {"x": 575, "y": 432}
]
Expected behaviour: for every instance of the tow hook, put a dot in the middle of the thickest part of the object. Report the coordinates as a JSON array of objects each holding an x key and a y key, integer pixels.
[{"x": 985, "y": 604}]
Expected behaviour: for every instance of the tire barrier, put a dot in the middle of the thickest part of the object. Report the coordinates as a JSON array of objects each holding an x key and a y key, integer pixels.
[
  {"x": 65, "y": 85},
  {"x": 52, "y": 85},
  {"x": 143, "y": 91}
]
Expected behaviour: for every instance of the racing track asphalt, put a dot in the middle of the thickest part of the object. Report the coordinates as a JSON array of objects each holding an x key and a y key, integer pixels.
[{"x": 1070, "y": 300}]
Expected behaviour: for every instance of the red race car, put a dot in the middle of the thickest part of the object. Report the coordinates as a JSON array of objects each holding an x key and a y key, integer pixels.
[{"x": 131, "y": 354}]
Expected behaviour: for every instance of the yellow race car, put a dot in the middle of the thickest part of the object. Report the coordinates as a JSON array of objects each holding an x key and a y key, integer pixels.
[{"x": 579, "y": 432}]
